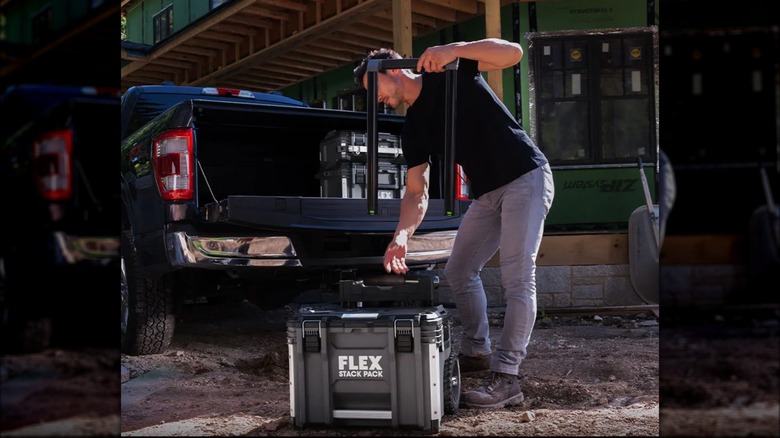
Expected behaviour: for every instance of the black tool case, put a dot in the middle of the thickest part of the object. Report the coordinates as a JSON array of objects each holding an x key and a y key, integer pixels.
[
  {"x": 415, "y": 289},
  {"x": 347, "y": 145},
  {"x": 391, "y": 367},
  {"x": 348, "y": 179}
]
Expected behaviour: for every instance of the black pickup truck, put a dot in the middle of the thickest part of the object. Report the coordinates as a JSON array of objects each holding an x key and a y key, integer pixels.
[
  {"x": 228, "y": 190},
  {"x": 59, "y": 243}
]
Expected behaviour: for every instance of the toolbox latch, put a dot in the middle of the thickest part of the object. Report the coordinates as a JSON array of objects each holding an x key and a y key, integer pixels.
[
  {"x": 312, "y": 336},
  {"x": 404, "y": 336}
]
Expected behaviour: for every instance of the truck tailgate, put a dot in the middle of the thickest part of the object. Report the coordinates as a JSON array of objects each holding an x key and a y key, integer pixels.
[{"x": 348, "y": 215}]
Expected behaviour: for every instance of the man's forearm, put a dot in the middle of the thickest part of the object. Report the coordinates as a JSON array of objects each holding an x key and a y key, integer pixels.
[
  {"x": 496, "y": 52},
  {"x": 413, "y": 208}
]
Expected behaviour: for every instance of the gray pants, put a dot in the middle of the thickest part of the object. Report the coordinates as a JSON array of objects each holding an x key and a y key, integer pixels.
[{"x": 511, "y": 218}]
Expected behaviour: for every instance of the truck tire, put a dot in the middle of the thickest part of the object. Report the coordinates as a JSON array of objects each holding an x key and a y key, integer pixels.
[{"x": 148, "y": 319}]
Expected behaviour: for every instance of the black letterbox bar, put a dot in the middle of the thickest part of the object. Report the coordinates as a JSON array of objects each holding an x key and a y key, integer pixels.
[{"x": 373, "y": 68}]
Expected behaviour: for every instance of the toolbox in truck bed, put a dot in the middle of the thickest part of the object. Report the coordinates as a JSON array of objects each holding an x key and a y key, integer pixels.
[
  {"x": 353, "y": 145},
  {"x": 348, "y": 180}
]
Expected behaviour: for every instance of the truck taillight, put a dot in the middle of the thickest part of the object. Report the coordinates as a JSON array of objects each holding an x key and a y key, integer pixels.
[
  {"x": 462, "y": 189},
  {"x": 173, "y": 164},
  {"x": 52, "y": 165}
]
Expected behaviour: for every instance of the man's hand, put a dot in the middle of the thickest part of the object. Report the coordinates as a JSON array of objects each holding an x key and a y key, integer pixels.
[
  {"x": 436, "y": 58},
  {"x": 395, "y": 255},
  {"x": 490, "y": 53}
]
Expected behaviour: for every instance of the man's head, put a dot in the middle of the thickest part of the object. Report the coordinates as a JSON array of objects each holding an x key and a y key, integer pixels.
[
  {"x": 390, "y": 83},
  {"x": 360, "y": 70}
]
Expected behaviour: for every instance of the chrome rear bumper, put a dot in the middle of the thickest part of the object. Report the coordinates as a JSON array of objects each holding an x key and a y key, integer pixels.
[
  {"x": 75, "y": 249},
  {"x": 278, "y": 251}
]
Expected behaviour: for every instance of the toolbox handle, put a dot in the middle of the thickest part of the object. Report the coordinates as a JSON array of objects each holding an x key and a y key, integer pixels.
[
  {"x": 373, "y": 68},
  {"x": 319, "y": 326},
  {"x": 411, "y": 326}
]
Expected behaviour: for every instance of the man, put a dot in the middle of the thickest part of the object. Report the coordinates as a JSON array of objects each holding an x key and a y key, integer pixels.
[{"x": 512, "y": 190}]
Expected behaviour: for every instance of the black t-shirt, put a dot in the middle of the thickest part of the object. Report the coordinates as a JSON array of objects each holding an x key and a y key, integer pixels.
[{"x": 490, "y": 145}]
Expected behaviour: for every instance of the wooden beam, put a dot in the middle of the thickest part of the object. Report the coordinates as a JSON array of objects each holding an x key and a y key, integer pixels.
[
  {"x": 188, "y": 57},
  {"x": 434, "y": 11},
  {"x": 368, "y": 32},
  {"x": 208, "y": 53},
  {"x": 282, "y": 77},
  {"x": 357, "y": 46},
  {"x": 280, "y": 70},
  {"x": 311, "y": 66},
  {"x": 402, "y": 27},
  {"x": 321, "y": 53},
  {"x": 379, "y": 22},
  {"x": 126, "y": 56},
  {"x": 416, "y": 19},
  {"x": 355, "y": 40},
  {"x": 579, "y": 249},
  {"x": 402, "y": 35},
  {"x": 286, "y": 4},
  {"x": 704, "y": 249},
  {"x": 226, "y": 11},
  {"x": 148, "y": 78},
  {"x": 247, "y": 21},
  {"x": 222, "y": 36},
  {"x": 610, "y": 249},
  {"x": 157, "y": 68},
  {"x": 332, "y": 51},
  {"x": 174, "y": 63},
  {"x": 208, "y": 43},
  {"x": 493, "y": 30},
  {"x": 262, "y": 12},
  {"x": 284, "y": 64},
  {"x": 312, "y": 63},
  {"x": 467, "y": 6},
  {"x": 267, "y": 83},
  {"x": 237, "y": 28},
  {"x": 353, "y": 14}
]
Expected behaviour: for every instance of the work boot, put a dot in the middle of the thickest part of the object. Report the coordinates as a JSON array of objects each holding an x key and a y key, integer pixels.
[
  {"x": 498, "y": 390},
  {"x": 470, "y": 365}
]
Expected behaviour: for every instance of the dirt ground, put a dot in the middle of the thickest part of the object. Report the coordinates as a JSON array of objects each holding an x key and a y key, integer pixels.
[
  {"x": 720, "y": 373},
  {"x": 61, "y": 391},
  {"x": 226, "y": 374}
]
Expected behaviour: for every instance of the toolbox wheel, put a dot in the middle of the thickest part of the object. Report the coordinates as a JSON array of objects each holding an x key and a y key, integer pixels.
[{"x": 451, "y": 384}]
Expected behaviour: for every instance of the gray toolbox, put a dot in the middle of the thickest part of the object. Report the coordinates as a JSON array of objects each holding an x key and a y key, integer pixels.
[
  {"x": 391, "y": 367},
  {"x": 347, "y": 179},
  {"x": 341, "y": 145}
]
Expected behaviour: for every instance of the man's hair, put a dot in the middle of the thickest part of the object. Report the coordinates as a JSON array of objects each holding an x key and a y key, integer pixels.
[{"x": 383, "y": 53}]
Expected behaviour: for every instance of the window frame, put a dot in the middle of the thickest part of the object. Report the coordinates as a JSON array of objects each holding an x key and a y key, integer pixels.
[
  {"x": 161, "y": 33},
  {"x": 594, "y": 98}
]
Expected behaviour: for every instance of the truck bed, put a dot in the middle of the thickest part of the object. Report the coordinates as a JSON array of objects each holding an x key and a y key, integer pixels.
[{"x": 261, "y": 165}]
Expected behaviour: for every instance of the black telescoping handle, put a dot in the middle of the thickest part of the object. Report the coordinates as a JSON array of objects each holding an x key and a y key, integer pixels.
[
  {"x": 450, "y": 120},
  {"x": 373, "y": 68}
]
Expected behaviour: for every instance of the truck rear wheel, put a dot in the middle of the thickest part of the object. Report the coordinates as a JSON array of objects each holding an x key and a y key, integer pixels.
[{"x": 147, "y": 313}]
